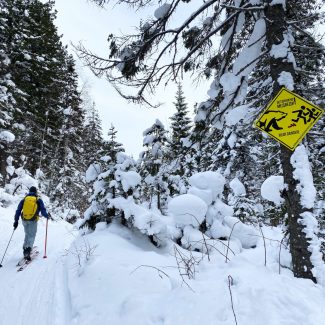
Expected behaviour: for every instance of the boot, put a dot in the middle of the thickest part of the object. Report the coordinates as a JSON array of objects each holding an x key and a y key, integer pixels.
[
  {"x": 25, "y": 251},
  {"x": 28, "y": 251}
]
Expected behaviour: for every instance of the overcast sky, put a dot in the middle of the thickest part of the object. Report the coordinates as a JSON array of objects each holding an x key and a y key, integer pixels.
[{"x": 81, "y": 20}]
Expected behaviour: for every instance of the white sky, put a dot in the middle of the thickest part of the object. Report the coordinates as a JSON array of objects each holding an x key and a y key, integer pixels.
[{"x": 82, "y": 20}]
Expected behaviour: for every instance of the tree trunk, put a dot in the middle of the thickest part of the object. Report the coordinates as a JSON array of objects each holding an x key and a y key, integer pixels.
[
  {"x": 301, "y": 262},
  {"x": 3, "y": 164}
]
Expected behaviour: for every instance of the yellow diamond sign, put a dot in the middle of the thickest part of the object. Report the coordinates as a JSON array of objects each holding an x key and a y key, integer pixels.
[{"x": 288, "y": 118}]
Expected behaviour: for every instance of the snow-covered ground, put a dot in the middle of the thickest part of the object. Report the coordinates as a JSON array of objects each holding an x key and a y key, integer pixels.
[{"x": 114, "y": 276}]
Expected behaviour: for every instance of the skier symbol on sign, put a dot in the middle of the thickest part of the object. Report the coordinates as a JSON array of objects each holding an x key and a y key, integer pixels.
[{"x": 271, "y": 120}]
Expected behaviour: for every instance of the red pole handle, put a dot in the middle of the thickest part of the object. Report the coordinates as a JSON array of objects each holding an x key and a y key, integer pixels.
[{"x": 47, "y": 222}]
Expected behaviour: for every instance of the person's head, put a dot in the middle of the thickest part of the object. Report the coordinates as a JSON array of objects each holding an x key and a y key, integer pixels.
[{"x": 33, "y": 190}]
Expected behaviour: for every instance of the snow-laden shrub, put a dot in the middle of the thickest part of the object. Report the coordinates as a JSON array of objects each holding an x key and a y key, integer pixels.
[
  {"x": 246, "y": 209},
  {"x": 193, "y": 239},
  {"x": 6, "y": 199},
  {"x": 196, "y": 240},
  {"x": 116, "y": 196},
  {"x": 247, "y": 235},
  {"x": 21, "y": 181},
  {"x": 150, "y": 222},
  {"x": 202, "y": 212},
  {"x": 19, "y": 186}
]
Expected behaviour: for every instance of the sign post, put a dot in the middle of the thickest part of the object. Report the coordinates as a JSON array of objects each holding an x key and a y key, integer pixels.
[{"x": 288, "y": 118}]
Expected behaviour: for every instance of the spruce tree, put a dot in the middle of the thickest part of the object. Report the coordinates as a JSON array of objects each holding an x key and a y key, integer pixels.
[
  {"x": 67, "y": 178},
  {"x": 178, "y": 151},
  {"x": 152, "y": 168},
  {"x": 180, "y": 125},
  {"x": 93, "y": 136},
  {"x": 107, "y": 182},
  {"x": 11, "y": 38},
  {"x": 112, "y": 146},
  {"x": 37, "y": 65},
  {"x": 40, "y": 102}
]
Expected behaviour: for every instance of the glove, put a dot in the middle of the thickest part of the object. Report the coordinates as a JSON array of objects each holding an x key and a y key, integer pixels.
[{"x": 15, "y": 225}]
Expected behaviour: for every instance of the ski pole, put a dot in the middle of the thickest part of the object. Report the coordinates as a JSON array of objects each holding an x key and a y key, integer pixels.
[
  {"x": 7, "y": 247},
  {"x": 47, "y": 222}
]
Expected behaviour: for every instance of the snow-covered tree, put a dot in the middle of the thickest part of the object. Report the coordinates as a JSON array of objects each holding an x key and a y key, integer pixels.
[
  {"x": 180, "y": 126},
  {"x": 112, "y": 146},
  {"x": 114, "y": 180},
  {"x": 67, "y": 177},
  {"x": 178, "y": 151},
  {"x": 41, "y": 119},
  {"x": 93, "y": 135},
  {"x": 110, "y": 177},
  {"x": 10, "y": 39},
  {"x": 151, "y": 161},
  {"x": 252, "y": 32},
  {"x": 37, "y": 66}
]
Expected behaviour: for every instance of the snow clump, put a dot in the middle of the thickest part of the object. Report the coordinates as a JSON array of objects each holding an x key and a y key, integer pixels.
[
  {"x": 92, "y": 172},
  {"x": 6, "y": 136},
  {"x": 302, "y": 173},
  {"x": 237, "y": 187},
  {"x": 130, "y": 180},
  {"x": 271, "y": 189},
  {"x": 207, "y": 182},
  {"x": 188, "y": 209},
  {"x": 162, "y": 11}
]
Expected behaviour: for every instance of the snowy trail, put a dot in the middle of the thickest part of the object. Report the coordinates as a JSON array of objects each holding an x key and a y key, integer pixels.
[
  {"x": 38, "y": 294},
  {"x": 115, "y": 287}
]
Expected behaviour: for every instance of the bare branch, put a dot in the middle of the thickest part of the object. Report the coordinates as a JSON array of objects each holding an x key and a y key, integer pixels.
[
  {"x": 244, "y": 8},
  {"x": 153, "y": 267},
  {"x": 232, "y": 229}
]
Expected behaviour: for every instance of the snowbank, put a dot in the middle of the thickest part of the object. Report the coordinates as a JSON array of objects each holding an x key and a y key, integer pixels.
[{"x": 138, "y": 283}]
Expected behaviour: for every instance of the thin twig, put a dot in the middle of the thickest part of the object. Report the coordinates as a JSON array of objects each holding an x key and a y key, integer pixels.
[
  {"x": 153, "y": 267},
  {"x": 232, "y": 229},
  {"x": 280, "y": 254},
  {"x": 259, "y": 226},
  {"x": 230, "y": 283}
]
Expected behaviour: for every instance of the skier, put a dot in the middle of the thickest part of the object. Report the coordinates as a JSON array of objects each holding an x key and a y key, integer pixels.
[{"x": 29, "y": 209}]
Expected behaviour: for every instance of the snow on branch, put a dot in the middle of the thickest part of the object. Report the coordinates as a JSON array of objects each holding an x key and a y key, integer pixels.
[{"x": 139, "y": 61}]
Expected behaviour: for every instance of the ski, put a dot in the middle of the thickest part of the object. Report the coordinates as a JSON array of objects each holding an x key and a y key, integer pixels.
[{"x": 23, "y": 262}]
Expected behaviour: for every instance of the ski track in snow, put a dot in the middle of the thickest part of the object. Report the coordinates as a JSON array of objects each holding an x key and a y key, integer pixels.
[{"x": 39, "y": 294}]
